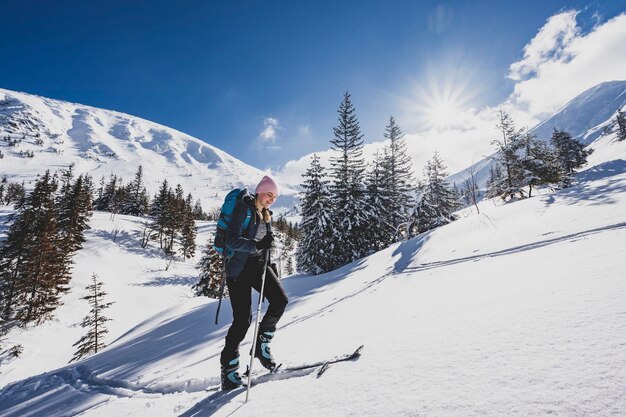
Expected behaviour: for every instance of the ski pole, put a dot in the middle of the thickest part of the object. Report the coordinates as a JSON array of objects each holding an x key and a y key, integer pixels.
[
  {"x": 256, "y": 324},
  {"x": 219, "y": 304}
]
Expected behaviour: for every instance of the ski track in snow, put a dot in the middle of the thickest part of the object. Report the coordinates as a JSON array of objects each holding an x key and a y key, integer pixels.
[
  {"x": 83, "y": 380},
  {"x": 516, "y": 249}
]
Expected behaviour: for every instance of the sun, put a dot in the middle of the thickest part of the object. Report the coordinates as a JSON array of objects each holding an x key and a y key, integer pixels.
[
  {"x": 444, "y": 114},
  {"x": 441, "y": 101}
]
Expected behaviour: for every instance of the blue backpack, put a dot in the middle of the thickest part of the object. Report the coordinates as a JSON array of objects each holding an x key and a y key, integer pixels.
[{"x": 226, "y": 214}]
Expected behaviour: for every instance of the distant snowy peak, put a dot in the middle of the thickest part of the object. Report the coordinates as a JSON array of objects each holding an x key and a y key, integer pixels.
[
  {"x": 586, "y": 115},
  {"x": 40, "y": 133}
]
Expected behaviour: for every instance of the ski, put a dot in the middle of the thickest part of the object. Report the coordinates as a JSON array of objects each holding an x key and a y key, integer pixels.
[
  {"x": 281, "y": 371},
  {"x": 323, "y": 365}
]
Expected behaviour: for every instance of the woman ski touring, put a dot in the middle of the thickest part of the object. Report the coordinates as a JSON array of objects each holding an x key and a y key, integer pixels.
[{"x": 248, "y": 241}]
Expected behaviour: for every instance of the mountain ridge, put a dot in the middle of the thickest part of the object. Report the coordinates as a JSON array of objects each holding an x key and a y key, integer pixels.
[
  {"x": 585, "y": 123},
  {"x": 103, "y": 142}
]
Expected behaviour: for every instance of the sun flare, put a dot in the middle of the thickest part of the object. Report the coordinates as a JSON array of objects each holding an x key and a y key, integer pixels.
[
  {"x": 441, "y": 103},
  {"x": 444, "y": 114}
]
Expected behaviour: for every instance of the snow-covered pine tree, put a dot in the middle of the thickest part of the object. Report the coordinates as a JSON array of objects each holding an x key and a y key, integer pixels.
[
  {"x": 34, "y": 270},
  {"x": 210, "y": 269},
  {"x": 137, "y": 198},
  {"x": 103, "y": 202},
  {"x": 93, "y": 341},
  {"x": 507, "y": 155},
  {"x": 496, "y": 184},
  {"x": 188, "y": 230},
  {"x": 315, "y": 248},
  {"x": 174, "y": 217},
  {"x": 437, "y": 200},
  {"x": 538, "y": 163},
  {"x": 99, "y": 192},
  {"x": 120, "y": 199},
  {"x": 381, "y": 232},
  {"x": 158, "y": 210},
  {"x": 198, "y": 214},
  {"x": 66, "y": 178},
  {"x": 350, "y": 214},
  {"x": 398, "y": 178},
  {"x": 15, "y": 194},
  {"x": 286, "y": 246},
  {"x": 288, "y": 249},
  {"x": 75, "y": 208},
  {"x": 570, "y": 154},
  {"x": 620, "y": 123}
]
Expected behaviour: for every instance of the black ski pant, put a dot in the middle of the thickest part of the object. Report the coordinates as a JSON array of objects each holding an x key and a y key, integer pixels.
[{"x": 240, "y": 292}]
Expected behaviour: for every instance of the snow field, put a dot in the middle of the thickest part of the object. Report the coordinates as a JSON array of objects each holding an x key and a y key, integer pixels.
[{"x": 517, "y": 311}]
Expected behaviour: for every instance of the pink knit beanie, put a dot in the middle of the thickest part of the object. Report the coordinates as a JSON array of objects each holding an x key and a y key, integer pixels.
[{"x": 267, "y": 185}]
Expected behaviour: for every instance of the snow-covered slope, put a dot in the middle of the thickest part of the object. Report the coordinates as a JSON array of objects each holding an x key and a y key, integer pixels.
[
  {"x": 584, "y": 118},
  {"x": 586, "y": 115},
  {"x": 516, "y": 311},
  {"x": 101, "y": 142}
]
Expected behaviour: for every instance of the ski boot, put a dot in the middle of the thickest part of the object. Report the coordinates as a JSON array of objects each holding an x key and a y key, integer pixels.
[
  {"x": 230, "y": 377},
  {"x": 262, "y": 351}
]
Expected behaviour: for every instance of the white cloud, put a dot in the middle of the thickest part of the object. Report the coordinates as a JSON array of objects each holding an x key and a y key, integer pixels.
[
  {"x": 575, "y": 63},
  {"x": 548, "y": 45},
  {"x": 269, "y": 132}
]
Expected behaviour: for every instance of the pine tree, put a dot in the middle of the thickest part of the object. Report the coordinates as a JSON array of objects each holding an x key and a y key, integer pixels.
[
  {"x": 538, "y": 163},
  {"x": 496, "y": 184},
  {"x": 287, "y": 255},
  {"x": 198, "y": 214},
  {"x": 99, "y": 194},
  {"x": 381, "y": 232},
  {"x": 397, "y": 178},
  {"x": 315, "y": 248},
  {"x": 15, "y": 194},
  {"x": 12, "y": 282},
  {"x": 137, "y": 203},
  {"x": 436, "y": 199},
  {"x": 158, "y": 210},
  {"x": 93, "y": 341},
  {"x": 570, "y": 154},
  {"x": 75, "y": 209},
  {"x": 121, "y": 197},
  {"x": 188, "y": 230},
  {"x": 66, "y": 178},
  {"x": 34, "y": 270},
  {"x": 620, "y": 123},
  {"x": 211, "y": 268},
  {"x": 350, "y": 215},
  {"x": 174, "y": 217},
  {"x": 106, "y": 199},
  {"x": 507, "y": 156}
]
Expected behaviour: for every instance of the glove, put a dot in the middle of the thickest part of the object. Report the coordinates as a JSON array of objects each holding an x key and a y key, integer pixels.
[{"x": 266, "y": 242}]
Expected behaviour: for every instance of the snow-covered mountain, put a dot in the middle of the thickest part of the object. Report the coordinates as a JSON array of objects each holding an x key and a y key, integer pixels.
[
  {"x": 516, "y": 311},
  {"x": 584, "y": 118},
  {"x": 586, "y": 115},
  {"x": 101, "y": 142}
]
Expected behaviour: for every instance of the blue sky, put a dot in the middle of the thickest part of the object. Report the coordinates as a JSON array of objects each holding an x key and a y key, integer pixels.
[{"x": 227, "y": 71}]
